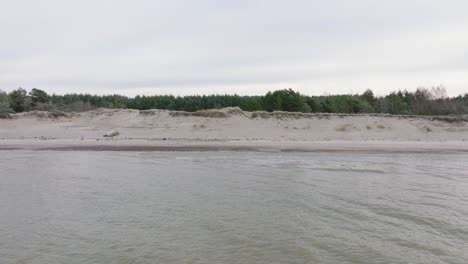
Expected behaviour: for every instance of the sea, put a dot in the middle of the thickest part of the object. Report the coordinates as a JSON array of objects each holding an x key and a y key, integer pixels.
[{"x": 233, "y": 207}]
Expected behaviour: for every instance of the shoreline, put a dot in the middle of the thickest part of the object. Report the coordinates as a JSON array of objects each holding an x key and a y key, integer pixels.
[
  {"x": 231, "y": 129},
  {"x": 235, "y": 145}
]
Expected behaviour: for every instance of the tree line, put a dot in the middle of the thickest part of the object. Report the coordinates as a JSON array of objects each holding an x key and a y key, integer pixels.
[{"x": 423, "y": 101}]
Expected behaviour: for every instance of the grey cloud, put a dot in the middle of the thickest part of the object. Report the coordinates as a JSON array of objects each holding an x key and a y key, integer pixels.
[{"x": 117, "y": 46}]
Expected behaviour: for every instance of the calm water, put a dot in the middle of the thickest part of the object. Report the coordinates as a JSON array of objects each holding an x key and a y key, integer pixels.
[{"x": 224, "y": 207}]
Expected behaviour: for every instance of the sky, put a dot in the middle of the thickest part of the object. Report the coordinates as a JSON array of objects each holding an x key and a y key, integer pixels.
[{"x": 247, "y": 47}]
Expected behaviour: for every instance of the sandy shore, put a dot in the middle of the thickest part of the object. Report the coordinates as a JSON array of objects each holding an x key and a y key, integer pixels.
[{"x": 233, "y": 130}]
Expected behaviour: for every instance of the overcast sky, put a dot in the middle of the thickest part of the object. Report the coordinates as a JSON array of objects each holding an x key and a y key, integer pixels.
[{"x": 247, "y": 47}]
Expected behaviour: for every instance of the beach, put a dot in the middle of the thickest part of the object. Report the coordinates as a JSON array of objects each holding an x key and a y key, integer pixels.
[{"x": 231, "y": 129}]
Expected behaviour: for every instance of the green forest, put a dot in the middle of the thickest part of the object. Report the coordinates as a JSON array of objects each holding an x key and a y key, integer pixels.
[{"x": 423, "y": 101}]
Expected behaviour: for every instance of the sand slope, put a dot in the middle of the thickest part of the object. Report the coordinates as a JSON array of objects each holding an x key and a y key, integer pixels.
[{"x": 232, "y": 128}]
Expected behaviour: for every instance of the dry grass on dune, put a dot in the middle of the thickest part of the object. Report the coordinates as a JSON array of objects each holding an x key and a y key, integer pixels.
[{"x": 226, "y": 113}]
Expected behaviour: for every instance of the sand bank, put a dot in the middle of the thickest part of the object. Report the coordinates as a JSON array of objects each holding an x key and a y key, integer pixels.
[{"x": 232, "y": 129}]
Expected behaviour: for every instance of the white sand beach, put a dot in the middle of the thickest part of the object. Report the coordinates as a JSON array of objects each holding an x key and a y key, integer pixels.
[{"x": 231, "y": 129}]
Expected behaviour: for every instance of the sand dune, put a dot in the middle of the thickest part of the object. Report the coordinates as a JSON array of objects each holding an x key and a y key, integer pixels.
[{"x": 231, "y": 129}]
